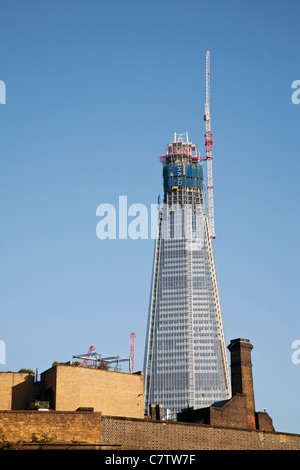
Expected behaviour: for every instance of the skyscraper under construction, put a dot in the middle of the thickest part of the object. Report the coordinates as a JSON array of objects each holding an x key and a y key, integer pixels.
[{"x": 185, "y": 361}]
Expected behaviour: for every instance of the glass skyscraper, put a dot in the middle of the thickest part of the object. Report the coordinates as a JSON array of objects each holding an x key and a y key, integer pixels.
[{"x": 185, "y": 361}]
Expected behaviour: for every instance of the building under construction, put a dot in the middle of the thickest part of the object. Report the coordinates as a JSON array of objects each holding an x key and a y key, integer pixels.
[{"x": 185, "y": 355}]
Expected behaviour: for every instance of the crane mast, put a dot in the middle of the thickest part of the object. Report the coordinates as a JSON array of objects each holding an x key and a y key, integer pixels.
[
  {"x": 131, "y": 363},
  {"x": 86, "y": 361},
  {"x": 208, "y": 145}
]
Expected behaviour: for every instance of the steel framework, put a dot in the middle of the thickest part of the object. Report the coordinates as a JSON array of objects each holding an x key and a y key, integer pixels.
[{"x": 95, "y": 360}]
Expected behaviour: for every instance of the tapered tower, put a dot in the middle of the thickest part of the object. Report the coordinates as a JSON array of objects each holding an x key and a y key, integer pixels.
[{"x": 185, "y": 353}]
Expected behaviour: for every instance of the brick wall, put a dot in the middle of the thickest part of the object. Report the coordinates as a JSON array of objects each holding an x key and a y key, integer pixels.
[
  {"x": 64, "y": 426},
  {"x": 155, "y": 435},
  {"x": 138, "y": 434}
]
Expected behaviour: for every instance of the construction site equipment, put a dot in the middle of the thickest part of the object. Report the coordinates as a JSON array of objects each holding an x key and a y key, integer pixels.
[
  {"x": 209, "y": 157},
  {"x": 132, "y": 337},
  {"x": 102, "y": 361},
  {"x": 86, "y": 361}
]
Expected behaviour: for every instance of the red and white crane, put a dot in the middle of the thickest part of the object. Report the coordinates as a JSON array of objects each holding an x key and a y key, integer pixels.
[
  {"x": 132, "y": 336},
  {"x": 86, "y": 361},
  {"x": 208, "y": 145}
]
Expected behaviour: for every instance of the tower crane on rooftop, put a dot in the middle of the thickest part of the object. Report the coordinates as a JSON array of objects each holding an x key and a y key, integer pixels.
[
  {"x": 131, "y": 365},
  {"x": 208, "y": 145},
  {"x": 91, "y": 349}
]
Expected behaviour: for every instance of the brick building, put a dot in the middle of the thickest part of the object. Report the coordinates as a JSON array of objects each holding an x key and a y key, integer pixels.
[
  {"x": 238, "y": 411},
  {"x": 68, "y": 388},
  {"x": 17, "y": 390}
]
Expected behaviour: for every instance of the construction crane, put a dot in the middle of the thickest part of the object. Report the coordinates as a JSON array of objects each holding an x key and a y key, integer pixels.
[
  {"x": 132, "y": 336},
  {"x": 208, "y": 145},
  {"x": 86, "y": 361}
]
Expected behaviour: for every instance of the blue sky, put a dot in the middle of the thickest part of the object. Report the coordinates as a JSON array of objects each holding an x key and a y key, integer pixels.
[{"x": 94, "y": 92}]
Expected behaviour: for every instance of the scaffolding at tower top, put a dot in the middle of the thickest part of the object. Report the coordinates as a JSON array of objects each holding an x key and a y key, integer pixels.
[{"x": 181, "y": 146}]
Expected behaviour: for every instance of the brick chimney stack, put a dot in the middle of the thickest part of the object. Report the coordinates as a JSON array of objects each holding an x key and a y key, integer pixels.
[{"x": 241, "y": 375}]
